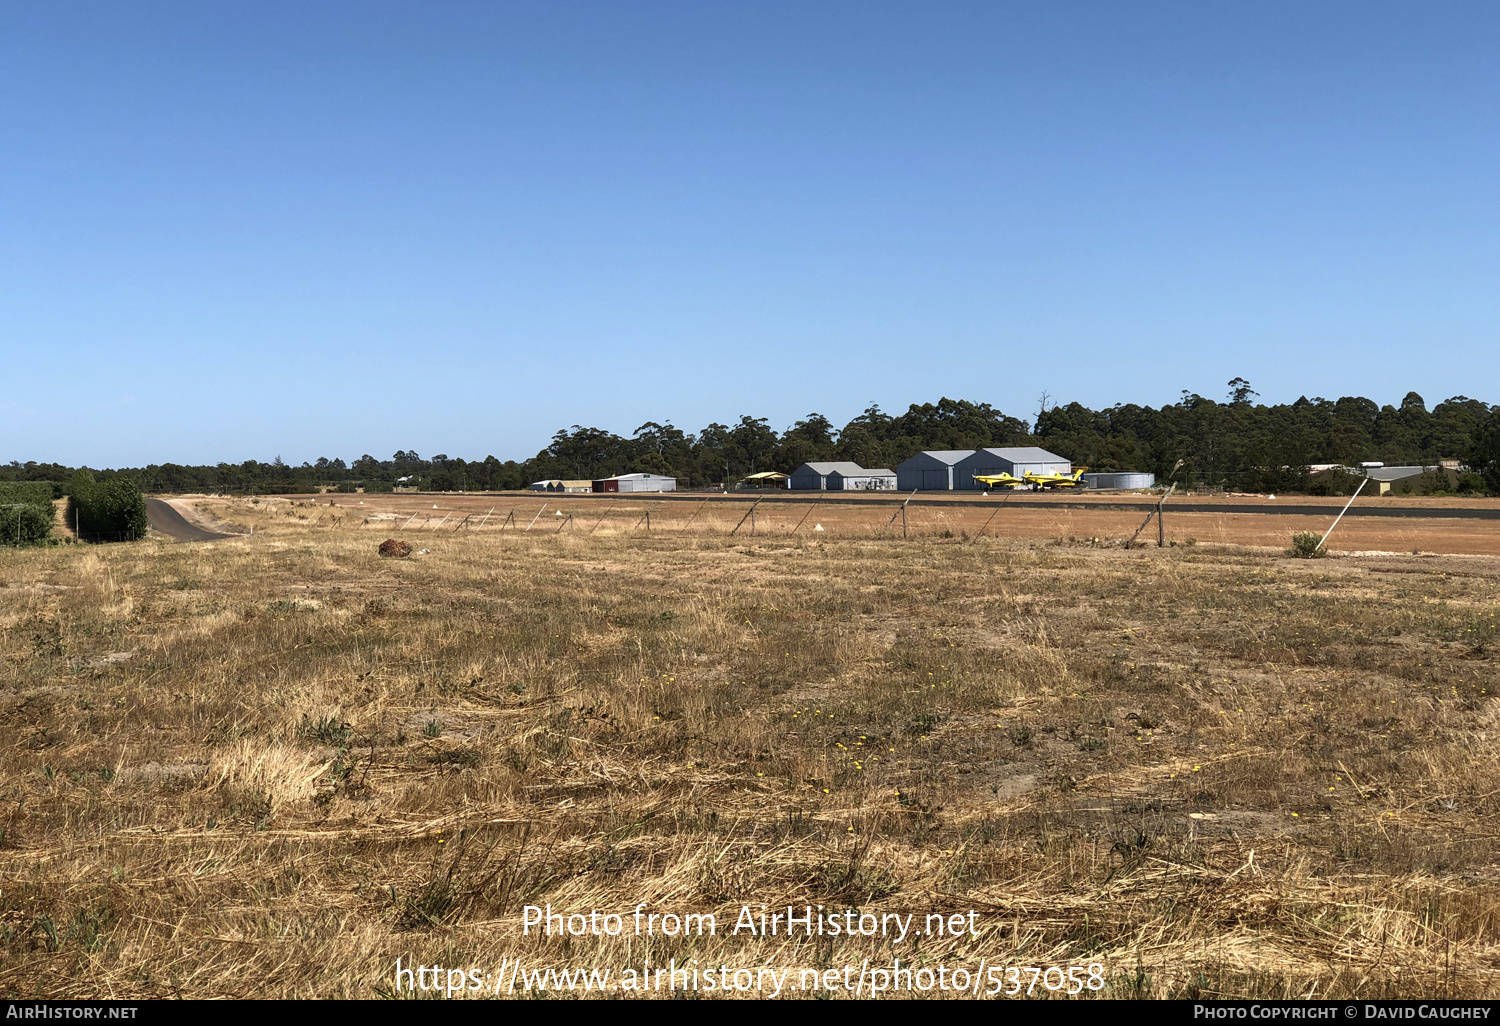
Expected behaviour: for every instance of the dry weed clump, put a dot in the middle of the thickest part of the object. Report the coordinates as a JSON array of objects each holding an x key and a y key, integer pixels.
[{"x": 271, "y": 765}]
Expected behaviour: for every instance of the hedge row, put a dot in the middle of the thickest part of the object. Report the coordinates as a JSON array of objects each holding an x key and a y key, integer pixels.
[
  {"x": 25, "y": 523},
  {"x": 39, "y": 493},
  {"x": 108, "y": 510}
]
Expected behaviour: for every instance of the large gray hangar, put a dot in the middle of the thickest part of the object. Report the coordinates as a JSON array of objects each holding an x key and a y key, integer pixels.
[
  {"x": 636, "y": 483},
  {"x": 1017, "y": 461},
  {"x": 842, "y": 476},
  {"x": 931, "y": 471}
]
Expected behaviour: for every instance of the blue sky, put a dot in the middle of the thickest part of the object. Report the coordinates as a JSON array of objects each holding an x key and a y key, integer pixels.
[{"x": 232, "y": 231}]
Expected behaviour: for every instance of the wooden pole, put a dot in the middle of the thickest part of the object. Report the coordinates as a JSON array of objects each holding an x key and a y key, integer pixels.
[
  {"x": 538, "y": 513},
  {"x": 899, "y": 513},
  {"x": 601, "y": 519},
  {"x": 486, "y": 517},
  {"x": 986, "y": 526},
  {"x": 1343, "y": 511},
  {"x": 695, "y": 514},
  {"x": 757, "y": 502},
  {"x": 1155, "y": 512},
  {"x": 805, "y": 516}
]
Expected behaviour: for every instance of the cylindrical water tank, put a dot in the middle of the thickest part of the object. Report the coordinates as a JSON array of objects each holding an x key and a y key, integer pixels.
[{"x": 1124, "y": 479}]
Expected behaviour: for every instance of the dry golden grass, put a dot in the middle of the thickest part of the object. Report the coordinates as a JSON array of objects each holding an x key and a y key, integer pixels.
[{"x": 270, "y": 766}]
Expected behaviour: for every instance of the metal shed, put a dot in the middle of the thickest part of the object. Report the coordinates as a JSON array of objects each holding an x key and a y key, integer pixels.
[
  {"x": 1385, "y": 477},
  {"x": 1017, "y": 462},
  {"x": 1124, "y": 479},
  {"x": 862, "y": 480},
  {"x": 816, "y": 476},
  {"x": 932, "y": 470},
  {"x": 636, "y": 483}
]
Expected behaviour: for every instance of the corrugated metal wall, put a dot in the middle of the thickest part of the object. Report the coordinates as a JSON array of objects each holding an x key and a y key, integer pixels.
[{"x": 1119, "y": 479}]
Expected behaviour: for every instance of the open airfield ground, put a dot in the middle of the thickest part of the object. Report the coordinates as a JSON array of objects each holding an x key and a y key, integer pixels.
[{"x": 270, "y": 765}]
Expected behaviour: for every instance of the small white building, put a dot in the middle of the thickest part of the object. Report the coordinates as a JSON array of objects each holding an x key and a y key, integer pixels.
[
  {"x": 862, "y": 480},
  {"x": 842, "y": 476}
]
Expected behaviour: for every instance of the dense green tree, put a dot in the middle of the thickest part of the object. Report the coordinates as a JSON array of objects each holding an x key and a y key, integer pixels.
[
  {"x": 111, "y": 509},
  {"x": 1484, "y": 456},
  {"x": 812, "y": 439}
]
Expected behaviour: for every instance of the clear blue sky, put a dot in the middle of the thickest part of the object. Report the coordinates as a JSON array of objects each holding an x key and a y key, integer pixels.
[{"x": 237, "y": 230}]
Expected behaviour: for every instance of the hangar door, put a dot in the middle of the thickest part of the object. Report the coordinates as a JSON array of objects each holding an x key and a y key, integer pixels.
[{"x": 935, "y": 480}]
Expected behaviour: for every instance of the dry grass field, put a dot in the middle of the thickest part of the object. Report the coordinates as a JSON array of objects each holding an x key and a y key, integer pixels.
[
  {"x": 272, "y": 765},
  {"x": 1252, "y": 521}
]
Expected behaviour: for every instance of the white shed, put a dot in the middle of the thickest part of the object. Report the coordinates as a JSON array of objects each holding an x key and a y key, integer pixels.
[{"x": 861, "y": 480}]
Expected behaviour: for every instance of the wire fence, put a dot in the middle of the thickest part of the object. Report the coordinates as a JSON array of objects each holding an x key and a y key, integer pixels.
[{"x": 742, "y": 518}]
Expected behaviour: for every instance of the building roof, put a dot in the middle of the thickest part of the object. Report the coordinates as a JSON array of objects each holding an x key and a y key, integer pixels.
[
  {"x": 837, "y": 467},
  {"x": 949, "y": 456},
  {"x": 624, "y": 477},
  {"x": 1393, "y": 473},
  {"x": 766, "y": 475},
  {"x": 1025, "y": 454}
]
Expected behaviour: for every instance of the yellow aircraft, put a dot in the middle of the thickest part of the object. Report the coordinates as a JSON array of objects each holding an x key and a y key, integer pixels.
[
  {"x": 1000, "y": 481},
  {"x": 1073, "y": 480}
]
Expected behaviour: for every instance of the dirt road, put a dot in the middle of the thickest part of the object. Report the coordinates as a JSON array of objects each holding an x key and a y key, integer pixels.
[{"x": 165, "y": 519}]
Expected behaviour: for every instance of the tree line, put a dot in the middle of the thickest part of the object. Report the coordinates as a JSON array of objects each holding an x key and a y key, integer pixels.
[{"x": 1235, "y": 442}]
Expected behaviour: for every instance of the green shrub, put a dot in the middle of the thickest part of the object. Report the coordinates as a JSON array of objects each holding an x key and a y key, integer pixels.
[
  {"x": 26, "y": 512},
  {"x": 1306, "y": 545},
  {"x": 25, "y": 523},
  {"x": 108, "y": 510},
  {"x": 1470, "y": 484}
]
